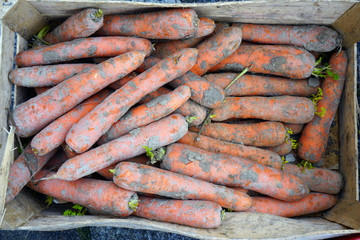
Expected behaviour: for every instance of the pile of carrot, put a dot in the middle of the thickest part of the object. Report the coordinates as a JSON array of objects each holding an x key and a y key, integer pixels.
[{"x": 212, "y": 105}]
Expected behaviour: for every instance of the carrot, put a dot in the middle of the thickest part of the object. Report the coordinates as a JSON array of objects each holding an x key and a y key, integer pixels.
[
  {"x": 218, "y": 27},
  {"x": 314, "y": 137},
  {"x": 69, "y": 153},
  {"x": 287, "y": 109},
  {"x": 82, "y": 48},
  {"x": 36, "y": 113},
  {"x": 40, "y": 90},
  {"x": 56, "y": 161},
  {"x": 166, "y": 24},
  {"x": 233, "y": 171},
  {"x": 295, "y": 128},
  {"x": 206, "y": 27},
  {"x": 97, "y": 122},
  {"x": 22, "y": 169},
  {"x": 256, "y": 134},
  {"x": 312, "y": 203},
  {"x": 122, "y": 81},
  {"x": 193, "y": 213},
  {"x": 258, "y": 85},
  {"x": 240, "y": 189},
  {"x": 79, "y": 25},
  {"x": 310, "y": 37},
  {"x": 97, "y": 194},
  {"x": 41, "y": 76},
  {"x": 143, "y": 178},
  {"x": 281, "y": 149},
  {"x": 317, "y": 179},
  {"x": 53, "y": 135},
  {"x": 285, "y": 61},
  {"x": 147, "y": 113},
  {"x": 218, "y": 146},
  {"x": 216, "y": 48}
]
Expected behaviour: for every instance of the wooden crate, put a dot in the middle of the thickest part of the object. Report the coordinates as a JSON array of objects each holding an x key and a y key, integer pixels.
[{"x": 21, "y": 19}]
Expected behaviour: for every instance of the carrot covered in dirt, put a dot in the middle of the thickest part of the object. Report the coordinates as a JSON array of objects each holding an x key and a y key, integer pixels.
[
  {"x": 258, "y": 155},
  {"x": 122, "y": 81},
  {"x": 82, "y": 48},
  {"x": 54, "y": 134},
  {"x": 285, "y": 61},
  {"x": 311, "y": 37},
  {"x": 233, "y": 171},
  {"x": 147, "y": 113},
  {"x": 295, "y": 128},
  {"x": 166, "y": 24},
  {"x": 97, "y": 122},
  {"x": 287, "y": 109},
  {"x": 312, "y": 203},
  {"x": 79, "y": 25},
  {"x": 314, "y": 137},
  {"x": 281, "y": 149},
  {"x": 143, "y": 178},
  {"x": 193, "y": 213},
  {"x": 56, "y": 160},
  {"x": 34, "y": 114},
  {"x": 97, "y": 194},
  {"x": 41, "y": 76}
]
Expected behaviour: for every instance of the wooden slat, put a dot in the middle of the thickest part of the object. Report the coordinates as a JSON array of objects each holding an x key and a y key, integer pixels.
[{"x": 347, "y": 212}]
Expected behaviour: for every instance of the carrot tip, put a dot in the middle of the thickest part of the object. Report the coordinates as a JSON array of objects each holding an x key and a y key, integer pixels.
[{"x": 134, "y": 202}]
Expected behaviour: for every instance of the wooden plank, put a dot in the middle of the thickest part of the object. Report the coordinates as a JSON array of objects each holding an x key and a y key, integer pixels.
[{"x": 347, "y": 212}]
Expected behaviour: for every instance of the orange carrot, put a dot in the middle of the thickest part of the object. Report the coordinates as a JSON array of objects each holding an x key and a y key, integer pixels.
[
  {"x": 314, "y": 137},
  {"x": 34, "y": 114},
  {"x": 122, "y": 81},
  {"x": 287, "y": 109},
  {"x": 240, "y": 189},
  {"x": 56, "y": 161},
  {"x": 281, "y": 149},
  {"x": 143, "y": 178},
  {"x": 295, "y": 128},
  {"x": 218, "y": 27}
]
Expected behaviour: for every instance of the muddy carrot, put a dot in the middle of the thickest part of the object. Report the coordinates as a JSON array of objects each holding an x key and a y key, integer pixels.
[
  {"x": 295, "y": 128},
  {"x": 40, "y": 90},
  {"x": 258, "y": 85},
  {"x": 240, "y": 189},
  {"x": 193, "y": 213},
  {"x": 122, "y": 81},
  {"x": 281, "y": 149},
  {"x": 311, "y": 37},
  {"x": 82, "y": 48},
  {"x": 233, "y": 171},
  {"x": 287, "y": 109},
  {"x": 258, "y": 155},
  {"x": 97, "y": 122},
  {"x": 218, "y": 27},
  {"x": 34, "y": 114},
  {"x": 312, "y": 203},
  {"x": 143, "y": 178},
  {"x": 314, "y": 137},
  {"x": 56, "y": 160},
  {"x": 285, "y": 61}
]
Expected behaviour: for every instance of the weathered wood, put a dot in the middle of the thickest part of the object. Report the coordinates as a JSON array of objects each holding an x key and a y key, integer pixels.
[{"x": 347, "y": 211}]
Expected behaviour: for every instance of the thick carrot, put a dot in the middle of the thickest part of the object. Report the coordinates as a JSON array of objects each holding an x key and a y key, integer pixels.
[
  {"x": 97, "y": 122},
  {"x": 167, "y": 24},
  {"x": 258, "y": 85},
  {"x": 228, "y": 170},
  {"x": 193, "y": 213},
  {"x": 314, "y": 137},
  {"x": 261, "y": 134},
  {"x": 281, "y": 149},
  {"x": 216, "y": 48},
  {"x": 317, "y": 179},
  {"x": 36, "y": 113},
  {"x": 311, "y": 37},
  {"x": 218, "y": 27},
  {"x": 97, "y": 194},
  {"x": 79, "y": 25},
  {"x": 240, "y": 189},
  {"x": 312, "y": 203},
  {"x": 82, "y": 48},
  {"x": 122, "y": 81},
  {"x": 206, "y": 27},
  {"x": 147, "y": 113},
  {"x": 287, "y": 109},
  {"x": 53, "y": 135},
  {"x": 295, "y": 128},
  {"x": 143, "y": 178},
  {"x": 41, "y": 76},
  {"x": 285, "y": 61},
  {"x": 22, "y": 169},
  {"x": 258, "y": 155}
]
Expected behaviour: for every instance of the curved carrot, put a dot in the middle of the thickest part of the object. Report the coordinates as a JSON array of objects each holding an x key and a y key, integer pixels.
[
  {"x": 281, "y": 149},
  {"x": 193, "y": 213},
  {"x": 312, "y": 203},
  {"x": 311, "y": 37},
  {"x": 295, "y": 128},
  {"x": 82, "y": 48},
  {"x": 287, "y": 109},
  {"x": 206, "y": 27},
  {"x": 167, "y": 24},
  {"x": 256, "y": 134},
  {"x": 79, "y": 25},
  {"x": 97, "y": 122},
  {"x": 285, "y": 61},
  {"x": 40, "y": 76},
  {"x": 314, "y": 137},
  {"x": 258, "y": 155},
  {"x": 233, "y": 171},
  {"x": 143, "y": 178},
  {"x": 258, "y": 85},
  {"x": 34, "y": 114}
]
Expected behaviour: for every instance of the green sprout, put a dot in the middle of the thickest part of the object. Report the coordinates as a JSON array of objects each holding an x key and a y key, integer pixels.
[
  {"x": 222, "y": 214},
  {"x": 99, "y": 14},
  {"x": 49, "y": 200},
  {"x": 190, "y": 119},
  {"x": 294, "y": 144},
  {"x": 112, "y": 171},
  {"x": 155, "y": 155},
  {"x": 283, "y": 162},
  {"x": 149, "y": 153},
  {"x": 134, "y": 202},
  {"x": 77, "y": 210},
  {"x": 321, "y": 113},
  {"x": 288, "y": 133},
  {"x": 323, "y": 71},
  {"x": 305, "y": 164},
  {"x": 315, "y": 99}
]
